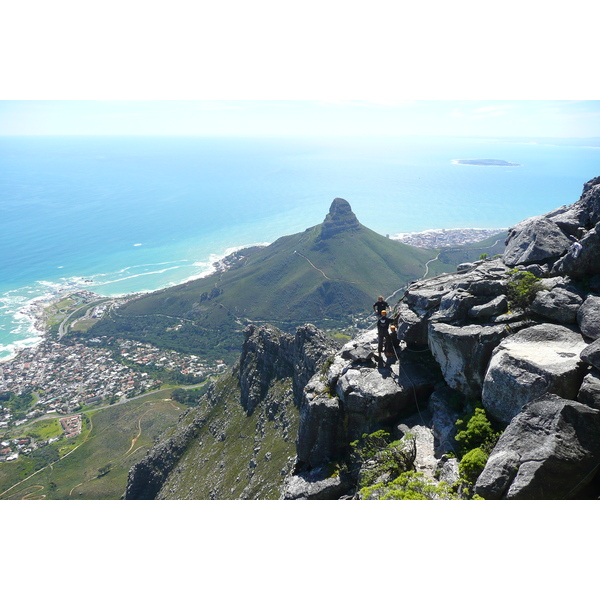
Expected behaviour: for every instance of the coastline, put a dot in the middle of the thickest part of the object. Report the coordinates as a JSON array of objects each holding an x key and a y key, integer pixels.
[{"x": 34, "y": 310}]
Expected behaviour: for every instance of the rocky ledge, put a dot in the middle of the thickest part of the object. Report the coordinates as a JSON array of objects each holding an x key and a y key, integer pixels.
[{"x": 534, "y": 366}]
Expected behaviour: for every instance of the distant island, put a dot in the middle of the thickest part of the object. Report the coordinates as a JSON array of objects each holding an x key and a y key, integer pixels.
[{"x": 484, "y": 162}]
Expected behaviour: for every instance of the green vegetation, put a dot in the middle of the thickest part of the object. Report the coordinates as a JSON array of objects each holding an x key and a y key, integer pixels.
[
  {"x": 409, "y": 485},
  {"x": 476, "y": 437},
  {"x": 19, "y": 405},
  {"x": 44, "y": 429},
  {"x": 476, "y": 431},
  {"x": 233, "y": 454},
  {"x": 386, "y": 470},
  {"x": 189, "y": 397},
  {"x": 522, "y": 288}
]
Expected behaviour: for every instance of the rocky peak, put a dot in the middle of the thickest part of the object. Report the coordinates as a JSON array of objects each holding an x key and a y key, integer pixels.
[{"x": 340, "y": 218}]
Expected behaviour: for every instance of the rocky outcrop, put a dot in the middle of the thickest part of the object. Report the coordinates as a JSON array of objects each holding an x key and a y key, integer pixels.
[
  {"x": 268, "y": 354},
  {"x": 550, "y": 451},
  {"x": 340, "y": 218},
  {"x": 237, "y": 442},
  {"x": 536, "y": 240},
  {"x": 540, "y": 359}
]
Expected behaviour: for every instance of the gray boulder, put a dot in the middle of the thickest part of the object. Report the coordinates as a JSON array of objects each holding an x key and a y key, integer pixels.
[
  {"x": 362, "y": 348},
  {"x": 557, "y": 304},
  {"x": 493, "y": 308},
  {"x": 411, "y": 327},
  {"x": 316, "y": 484},
  {"x": 526, "y": 365},
  {"x": 589, "y": 392},
  {"x": 591, "y": 354},
  {"x": 455, "y": 305},
  {"x": 463, "y": 353},
  {"x": 585, "y": 262},
  {"x": 588, "y": 317},
  {"x": 535, "y": 240},
  {"x": 550, "y": 451},
  {"x": 320, "y": 431},
  {"x": 373, "y": 398}
]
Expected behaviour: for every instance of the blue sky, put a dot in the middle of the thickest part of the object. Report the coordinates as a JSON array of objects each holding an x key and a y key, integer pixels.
[{"x": 532, "y": 118}]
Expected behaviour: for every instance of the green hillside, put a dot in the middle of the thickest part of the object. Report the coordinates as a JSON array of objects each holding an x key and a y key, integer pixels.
[
  {"x": 324, "y": 275},
  {"x": 94, "y": 464}
]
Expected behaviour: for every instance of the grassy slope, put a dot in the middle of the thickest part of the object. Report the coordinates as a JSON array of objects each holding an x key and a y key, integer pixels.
[
  {"x": 236, "y": 455},
  {"x": 347, "y": 273},
  {"x": 107, "y": 439}
]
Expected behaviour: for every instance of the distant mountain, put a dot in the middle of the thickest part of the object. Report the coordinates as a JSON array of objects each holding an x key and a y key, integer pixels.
[{"x": 324, "y": 275}]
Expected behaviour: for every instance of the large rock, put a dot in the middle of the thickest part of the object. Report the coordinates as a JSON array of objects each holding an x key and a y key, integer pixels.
[
  {"x": 550, "y": 451},
  {"x": 412, "y": 328},
  {"x": 589, "y": 392},
  {"x": 463, "y": 353},
  {"x": 340, "y": 218},
  {"x": 495, "y": 307},
  {"x": 535, "y": 240},
  {"x": 591, "y": 354},
  {"x": 557, "y": 304},
  {"x": 584, "y": 263},
  {"x": 455, "y": 305},
  {"x": 316, "y": 484},
  {"x": 374, "y": 398},
  {"x": 588, "y": 317},
  {"x": 526, "y": 365},
  {"x": 321, "y": 436}
]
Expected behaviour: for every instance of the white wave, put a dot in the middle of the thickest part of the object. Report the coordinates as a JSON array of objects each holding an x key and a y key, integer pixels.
[{"x": 11, "y": 350}]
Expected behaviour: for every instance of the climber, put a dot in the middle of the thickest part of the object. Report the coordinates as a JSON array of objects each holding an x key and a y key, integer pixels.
[
  {"x": 393, "y": 343},
  {"x": 383, "y": 334},
  {"x": 380, "y": 305}
]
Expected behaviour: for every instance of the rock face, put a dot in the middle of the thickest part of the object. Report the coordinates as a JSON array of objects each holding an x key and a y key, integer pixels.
[
  {"x": 237, "y": 443},
  {"x": 539, "y": 359},
  {"x": 340, "y": 218},
  {"x": 550, "y": 451}
]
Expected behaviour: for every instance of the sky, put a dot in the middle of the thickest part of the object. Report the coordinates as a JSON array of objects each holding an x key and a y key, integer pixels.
[{"x": 533, "y": 118}]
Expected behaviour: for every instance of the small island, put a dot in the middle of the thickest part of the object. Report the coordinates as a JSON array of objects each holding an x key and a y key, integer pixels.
[{"x": 484, "y": 162}]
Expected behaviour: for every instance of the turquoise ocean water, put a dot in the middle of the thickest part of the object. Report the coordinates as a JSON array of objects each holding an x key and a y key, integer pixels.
[{"x": 117, "y": 215}]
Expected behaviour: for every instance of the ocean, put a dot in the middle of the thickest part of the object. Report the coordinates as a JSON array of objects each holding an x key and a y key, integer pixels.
[{"x": 117, "y": 215}]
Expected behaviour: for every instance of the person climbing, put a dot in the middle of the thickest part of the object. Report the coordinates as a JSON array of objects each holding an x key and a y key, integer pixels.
[
  {"x": 393, "y": 342},
  {"x": 383, "y": 334},
  {"x": 380, "y": 305}
]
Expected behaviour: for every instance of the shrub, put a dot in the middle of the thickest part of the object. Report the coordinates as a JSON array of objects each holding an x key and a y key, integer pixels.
[
  {"x": 476, "y": 432},
  {"x": 472, "y": 464},
  {"x": 379, "y": 459},
  {"x": 522, "y": 288},
  {"x": 409, "y": 485}
]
